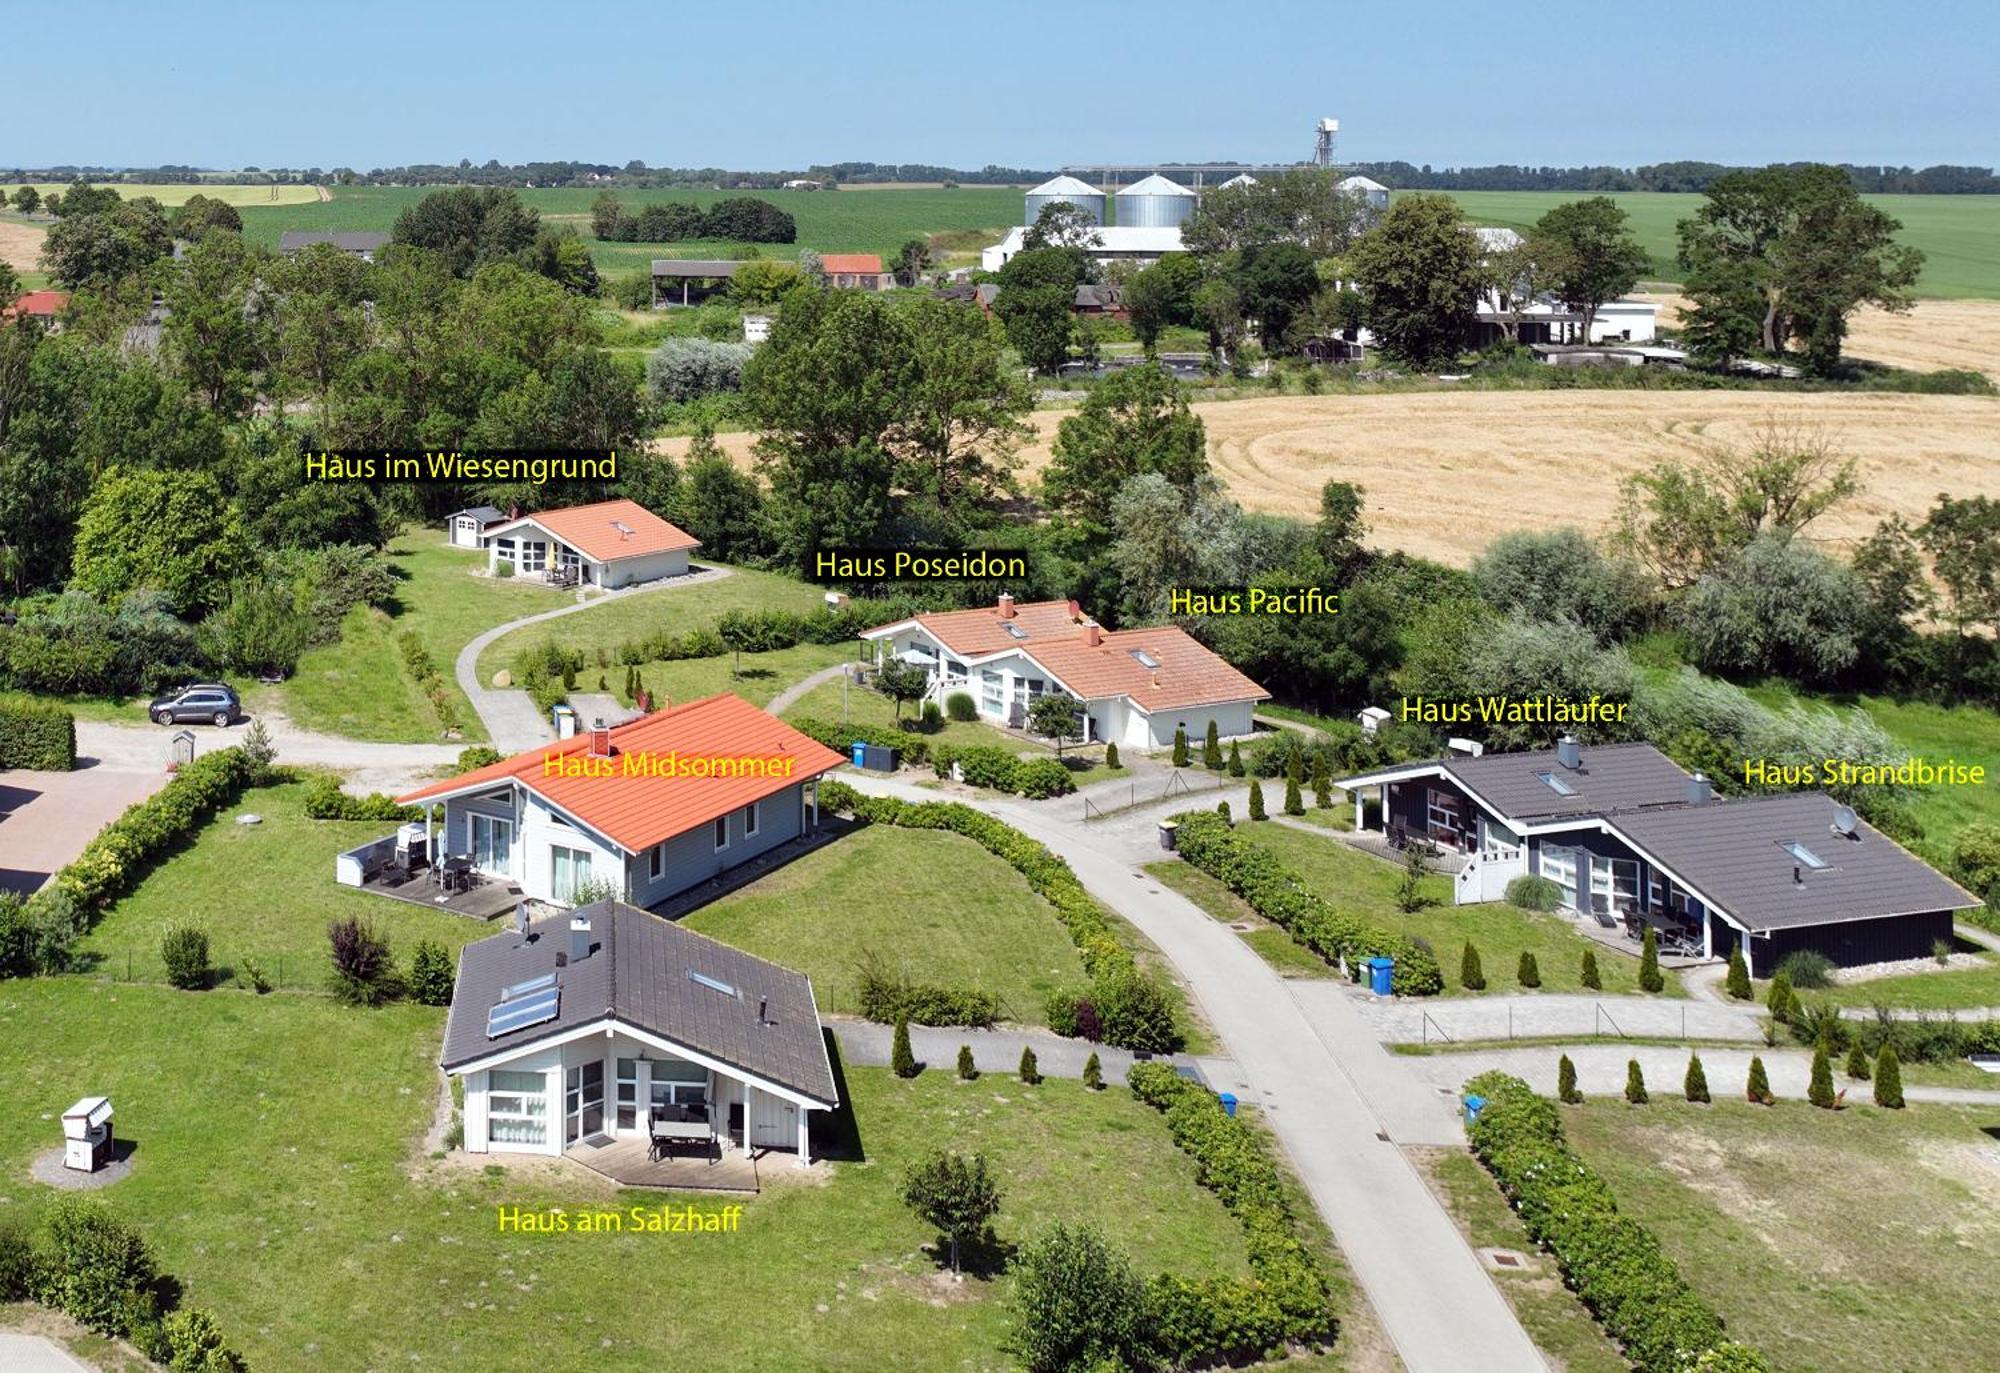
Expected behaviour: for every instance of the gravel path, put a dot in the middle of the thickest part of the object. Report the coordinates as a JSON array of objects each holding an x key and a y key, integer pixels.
[
  {"x": 794, "y": 693},
  {"x": 370, "y": 766},
  {"x": 1544, "y": 1016}
]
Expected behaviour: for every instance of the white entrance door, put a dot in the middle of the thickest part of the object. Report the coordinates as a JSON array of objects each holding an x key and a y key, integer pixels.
[
  {"x": 493, "y": 845},
  {"x": 583, "y": 1102}
]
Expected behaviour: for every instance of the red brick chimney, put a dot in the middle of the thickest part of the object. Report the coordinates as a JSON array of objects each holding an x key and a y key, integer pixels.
[
  {"x": 1093, "y": 635},
  {"x": 514, "y": 510},
  {"x": 1006, "y": 605},
  {"x": 600, "y": 740}
]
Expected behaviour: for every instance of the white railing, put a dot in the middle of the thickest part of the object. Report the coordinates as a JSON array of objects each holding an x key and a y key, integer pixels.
[{"x": 1486, "y": 874}]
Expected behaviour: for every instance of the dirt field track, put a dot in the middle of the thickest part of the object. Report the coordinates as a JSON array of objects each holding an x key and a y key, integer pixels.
[{"x": 20, "y": 244}]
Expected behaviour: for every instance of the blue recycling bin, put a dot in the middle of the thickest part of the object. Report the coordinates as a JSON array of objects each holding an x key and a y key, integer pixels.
[
  {"x": 1472, "y": 1108},
  {"x": 1378, "y": 975},
  {"x": 860, "y": 754},
  {"x": 1228, "y": 1100}
]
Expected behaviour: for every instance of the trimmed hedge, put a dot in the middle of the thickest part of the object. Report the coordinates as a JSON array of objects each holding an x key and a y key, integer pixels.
[
  {"x": 37, "y": 735},
  {"x": 1614, "y": 1263},
  {"x": 114, "y": 861},
  {"x": 1206, "y": 841},
  {"x": 324, "y": 800},
  {"x": 887, "y": 999},
  {"x": 998, "y": 769},
  {"x": 1287, "y": 1299},
  {"x": 1104, "y": 958},
  {"x": 840, "y": 738},
  {"x": 424, "y": 672}
]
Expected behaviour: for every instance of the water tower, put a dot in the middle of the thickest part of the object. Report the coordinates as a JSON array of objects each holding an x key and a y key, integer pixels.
[{"x": 1323, "y": 134}]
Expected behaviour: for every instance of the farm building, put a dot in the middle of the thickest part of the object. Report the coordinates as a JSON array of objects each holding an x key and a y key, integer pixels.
[
  {"x": 609, "y": 544},
  {"x": 856, "y": 271},
  {"x": 467, "y": 528},
  {"x": 1371, "y": 191},
  {"x": 46, "y": 306},
  {"x": 363, "y": 244},
  {"x": 1114, "y": 243},
  {"x": 1632, "y": 840},
  {"x": 1135, "y": 686},
  {"x": 689, "y": 281}
]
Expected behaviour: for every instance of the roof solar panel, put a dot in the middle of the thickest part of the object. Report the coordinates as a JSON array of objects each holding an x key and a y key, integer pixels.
[
  {"x": 519, "y": 1014},
  {"x": 533, "y": 984}
]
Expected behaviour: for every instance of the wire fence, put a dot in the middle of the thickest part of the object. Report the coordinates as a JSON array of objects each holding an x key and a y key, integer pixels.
[
  {"x": 1139, "y": 794},
  {"x": 248, "y": 971},
  {"x": 1659, "y": 1020}
]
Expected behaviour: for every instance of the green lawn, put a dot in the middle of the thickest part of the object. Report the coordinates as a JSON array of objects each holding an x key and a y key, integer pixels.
[
  {"x": 279, "y": 1136},
  {"x": 933, "y": 905},
  {"x": 1959, "y": 234},
  {"x": 1287, "y": 957},
  {"x": 359, "y": 688},
  {"x": 264, "y": 892},
  {"x": 1854, "y": 1240},
  {"x": 1365, "y": 885},
  {"x": 1559, "y": 1324},
  {"x": 1946, "y": 989},
  {"x": 841, "y": 702},
  {"x": 757, "y": 678}
]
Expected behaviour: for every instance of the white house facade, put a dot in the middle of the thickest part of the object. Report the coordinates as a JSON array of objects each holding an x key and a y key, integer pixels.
[{"x": 611, "y": 544}]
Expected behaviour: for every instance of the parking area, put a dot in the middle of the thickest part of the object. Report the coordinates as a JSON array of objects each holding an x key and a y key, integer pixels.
[{"x": 47, "y": 817}]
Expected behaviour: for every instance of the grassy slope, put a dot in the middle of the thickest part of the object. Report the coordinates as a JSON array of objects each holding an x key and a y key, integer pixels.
[
  {"x": 834, "y": 701},
  {"x": 926, "y": 903},
  {"x": 276, "y": 1136},
  {"x": 1286, "y": 955},
  {"x": 1959, "y": 235},
  {"x": 1944, "y": 989},
  {"x": 1365, "y": 885},
  {"x": 1826, "y": 1240}
]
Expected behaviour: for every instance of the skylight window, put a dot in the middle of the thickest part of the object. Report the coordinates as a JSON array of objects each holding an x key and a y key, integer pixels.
[
  {"x": 1805, "y": 855},
  {"x": 1146, "y": 659},
  {"x": 1015, "y": 631},
  {"x": 1555, "y": 784},
  {"x": 714, "y": 984}
]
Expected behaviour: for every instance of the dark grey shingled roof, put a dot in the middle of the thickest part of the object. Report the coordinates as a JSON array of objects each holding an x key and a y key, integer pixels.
[
  {"x": 1613, "y": 777},
  {"x": 637, "y": 974},
  {"x": 1732, "y": 851},
  {"x": 485, "y": 514},
  {"x": 347, "y": 240}
]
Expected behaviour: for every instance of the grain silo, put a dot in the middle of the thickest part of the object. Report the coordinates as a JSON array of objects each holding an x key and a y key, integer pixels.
[
  {"x": 1066, "y": 190},
  {"x": 1155, "y": 203},
  {"x": 1240, "y": 179}
]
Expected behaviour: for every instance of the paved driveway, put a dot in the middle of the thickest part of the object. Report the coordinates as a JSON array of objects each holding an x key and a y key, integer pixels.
[
  {"x": 34, "y": 1354},
  {"x": 47, "y": 817}
]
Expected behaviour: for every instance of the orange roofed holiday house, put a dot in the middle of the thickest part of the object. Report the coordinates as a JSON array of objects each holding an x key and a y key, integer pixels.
[
  {"x": 609, "y": 544},
  {"x": 645, "y": 809},
  {"x": 1135, "y": 686}
]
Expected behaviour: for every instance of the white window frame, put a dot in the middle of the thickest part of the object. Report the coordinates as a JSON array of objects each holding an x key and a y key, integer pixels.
[
  {"x": 494, "y": 823},
  {"x": 992, "y": 691},
  {"x": 721, "y": 833},
  {"x": 753, "y": 819},
  {"x": 534, "y": 555},
  {"x": 625, "y": 1099},
  {"x": 524, "y": 1111},
  {"x": 1605, "y": 889},
  {"x": 503, "y": 548},
  {"x": 581, "y": 870},
  {"x": 1556, "y": 856},
  {"x": 1444, "y": 817}
]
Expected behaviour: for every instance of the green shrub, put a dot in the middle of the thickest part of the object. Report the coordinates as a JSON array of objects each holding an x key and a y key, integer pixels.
[
  {"x": 1180, "y": 746},
  {"x": 1889, "y": 1079},
  {"x": 1807, "y": 968},
  {"x": 1076, "y": 1304},
  {"x": 1030, "y": 1071},
  {"x": 1635, "y": 1083},
  {"x": 887, "y": 998},
  {"x": 1589, "y": 976},
  {"x": 961, "y": 707},
  {"x": 94, "y": 1268},
  {"x": 324, "y": 800},
  {"x": 363, "y": 972},
  {"x": 1566, "y": 1089},
  {"x": 1650, "y": 979},
  {"x": 17, "y": 1260},
  {"x": 1820, "y": 1090},
  {"x": 966, "y": 1071},
  {"x": 1111, "y": 755},
  {"x": 1527, "y": 972},
  {"x": 250, "y": 973},
  {"x": 1757, "y": 1090},
  {"x": 1737, "y": 984},
  {"x": 478, "y": 756},
  {"x": 1294, "y": 802},
  {"x": 914, "y": 748},
  {"x": 1857, "y": 1062},
  {"x": 184, "y": 950},
  {"x": 1976, "y": 855},
  {"x": 1611, "y": 1261},
  {"x": 36, "y": 735},
  {"x": 1211, "y": 749},
  {"x": 1470, "y": 975},
  {"x": 195, "y": 1344},
  {"x": 1093, "y": 1073},
  {"x": 1256, "y": 800},
  {"x": 1533, "y": 893},
  {"x": 1779, "y": 1000},
  {"x": 1286, "y": 900},
  {"x": 902, "y": 1061},
  {"x": 1695, "y": 1085},
  {"x": 1135, "y": 1012},
  {"x": 1235, "y": 758},
  {"x": 1040, "y": 778},
  {"x": 432, "y": 973},
  {"x": 1222, "y": 809}
]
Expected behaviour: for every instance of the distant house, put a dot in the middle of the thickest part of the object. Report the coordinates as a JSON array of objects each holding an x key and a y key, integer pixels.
[
  {"x": 361, "y": 244},
  {"x": 43, "y": 305},
  {"x": 651, "y": 807},
  {"x": 856, "y": 271},
  {"x": 1631, "y": 839},
  {"x": 609, "y": 544},
  {"x": 610, "y": 1024},
  {"x": 1136, "y": 687},
  {"x": 1100, "y": 299},
  {"x": 467, "y": 528},
  {"x": 680, "y": 281},
  {"x": 1372, "y": 192}
]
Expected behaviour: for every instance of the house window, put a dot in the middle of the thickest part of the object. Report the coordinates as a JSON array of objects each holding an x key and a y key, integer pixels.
[
  {"x": 1441, "y": 811},
  {"x": 569, "y": 871},
  {"x": 753, "y": 819},
  {"x": 492, "y": 843},
  {"x": 503, "y": 549},
  {"x": 1559, "y": 866},
  {"x": 721, "y": 833},
  {"x": 534, "y": 555},
  {"x": 1614, "y": 885},
  {"x": 517, "y": 1108},
  {"x": 656, "y": 861},
  {"x": 678, "y": 1083},
  {"x": 628, "y": 1093},
  {"x": 992, "y": 692}
]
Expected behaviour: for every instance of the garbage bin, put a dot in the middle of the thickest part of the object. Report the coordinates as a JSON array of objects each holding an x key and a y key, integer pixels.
[
  {"x": 1228, "y": 1100},
  {"x": 860, "y": 751},
  {"x": 1169, "y": 834},
  {"x": 1379, "y": 970},
  {"x": 1472, "y": 1106},
  {"x": 563, "y": 718}
]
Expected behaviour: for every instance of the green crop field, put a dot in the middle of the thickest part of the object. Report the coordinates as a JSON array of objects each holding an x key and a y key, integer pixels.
[
  {"x": 242, "y": 196},
  {"x": 1959, "y": 234}
]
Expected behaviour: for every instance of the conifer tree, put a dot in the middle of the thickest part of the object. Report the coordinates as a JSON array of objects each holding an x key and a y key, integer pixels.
[
  {"x": 1649, "y": 963},
  {"x": 1820, "y": 1090},
  {"x": 1235, "y": 759},
  {"x": 1566, "y": 1083},
  {"x": 966, "y": 1070},
  {"x": 1294, "y": 803},
  {"x": 1589, "y": 976},
  {"x": 1759, "y": 1088},
  {"x": 1470, "y": 975},
  {"x": 1779, "y": 999},
  {"x": 1888, "y": 1079},
  {"x": 1180, "y": 746},
  {"x": 1093, "y": 1073},
  {"x": 1635, "y": 1083},
  {"x": 1322, "y": 784},
  {"x": 1256, "y": 800},
  {"x": 1737, "y": 984},
  {"x": 1211, "y": 749},
  {"x": 1222, "y": 809},
  {"x": 1111, "y": 754},
  {"x": 901, "y": 1061},
  {"x": 1030, "y": 1074},
  {"x": 1857, "y": 1061},
  {"x": 1695, "y": 1086},
  {"x": 1527, "y": 973}
]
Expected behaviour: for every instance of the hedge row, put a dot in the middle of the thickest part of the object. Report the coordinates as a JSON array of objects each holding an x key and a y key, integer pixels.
[
  {"x": 37, "y": 735},
  {"x": 887, "y": 999},
  {"x": 1287, "y": 1299},
  {"x": 1208, "y": 842},
  {"x": 424, "y": 672},
  {"x": 324, "y": 800},
  {"x": 991, "y": 766},
  {"x": 1110, "y": 965},
  {"x": 112, "y": 862},
  {"x": 841, "y": 738},
  {"x": 1614, "y": 1263}
]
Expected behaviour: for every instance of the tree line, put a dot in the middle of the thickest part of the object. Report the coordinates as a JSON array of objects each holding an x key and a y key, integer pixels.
[
  {"x": 739, "y": 219},
  {"x": 1683, "y": 176}
]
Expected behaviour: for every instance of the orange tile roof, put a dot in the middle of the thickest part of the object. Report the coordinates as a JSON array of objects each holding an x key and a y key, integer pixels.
[
  {"x": 1188, "y": 673},
  {"x": 859, "y": 264},
  {"x": 977, "y": 632},
  {"x": 45, "y": 303},
  {"x": 593, "y": 530},
  {"x": 639, "y": 811}
]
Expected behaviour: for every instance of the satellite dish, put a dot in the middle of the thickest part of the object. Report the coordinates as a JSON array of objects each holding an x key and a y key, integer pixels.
[{"x": 1843, "y": 820}]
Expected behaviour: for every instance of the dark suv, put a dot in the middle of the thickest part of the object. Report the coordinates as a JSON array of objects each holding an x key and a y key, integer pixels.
[{"x": 212, "y": 701}]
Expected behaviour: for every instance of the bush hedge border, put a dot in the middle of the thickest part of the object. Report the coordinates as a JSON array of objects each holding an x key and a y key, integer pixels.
[
  {"x": 37, "y": 735},
  {"x": 1211, "y": 844},
  {"x": 1611, "y": 1261}
]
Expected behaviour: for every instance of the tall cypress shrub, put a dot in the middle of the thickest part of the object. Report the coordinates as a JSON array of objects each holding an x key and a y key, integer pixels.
[
  {"x": 1737, "y": 984},
  {"x": 1758, "y": 1089},
  {"x": 1589, "y": 976},
  {"x": 1256, "y": 800},
  {"x": 1695, "y": 1085},
  {"x": 1294, "y": 802},
  {"x": 1635, "y": 1083},
  {"x": 1211, "y": 749},
  {"x": 1566, "y": 1091},
  {"x": 1820, "y": 1090},
  {"x": 1527, "y": 972},
  {"x": 1180, "y": 746},
  {"x": 902, "y": 1062},
  {"x": 1649, "y": 963},
  {"x": 1779, "y": 999},
  {"x": 1322, "y": 784},
  {"x": 1235, "y": 759},
  {"x": 1470, "y": 975},
  {"x": 1857, "y": 1061},
  {"x": 1888, "y": 1079}
]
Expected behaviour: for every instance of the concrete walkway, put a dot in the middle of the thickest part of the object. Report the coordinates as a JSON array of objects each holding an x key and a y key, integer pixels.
[
  {"x": 1600, "y": 1071},
  {"x": 33, "y": 1354},
  {"x": 997, "y": 1052},
  {"x": 1338, "y": 1103},
  {"x": 510, "y": 715},
  {"x": 1546, "y": 1016},
  {"x": 796, "y": 692}
]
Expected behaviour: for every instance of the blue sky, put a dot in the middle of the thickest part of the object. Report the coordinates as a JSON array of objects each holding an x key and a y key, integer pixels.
[{"x": 773, "y": 85}]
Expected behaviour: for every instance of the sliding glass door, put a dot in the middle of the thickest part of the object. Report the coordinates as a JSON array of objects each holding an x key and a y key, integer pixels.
[
  {"x": 493, "y": 844},
  {"x": 569, "y": 872},
  {"x": 583, "y": 1102}
]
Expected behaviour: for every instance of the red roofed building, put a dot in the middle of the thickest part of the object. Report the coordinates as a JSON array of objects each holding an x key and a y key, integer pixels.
[
  {"x": 1136, "y": 686},
  {"x": 653, "y": 806},
  {"x": 45, "y": 305},
  {"x": 856, "y": 271},
  {"x": 609, "y": 544}
]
